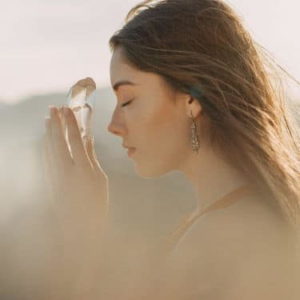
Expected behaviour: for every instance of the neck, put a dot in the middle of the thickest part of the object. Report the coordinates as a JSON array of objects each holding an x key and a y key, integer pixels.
[{"x": 212, "y": 178}]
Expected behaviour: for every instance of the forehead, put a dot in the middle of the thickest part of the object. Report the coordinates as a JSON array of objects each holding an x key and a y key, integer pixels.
[{"x": 120, "y": 69}]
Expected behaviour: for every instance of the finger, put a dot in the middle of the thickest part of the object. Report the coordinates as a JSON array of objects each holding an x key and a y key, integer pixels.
[
  {"x": 48, "y": 151},
  {"x": 64, "y": 128},
  {"x": 79, "y": 154},
  {"x": 89, "y": 118},
  {"x": 50, "y": 164},
  {"x": 90, "y": 149},
  {"x": 45, "y": 160},
  {"x": 59, "y": 143}
]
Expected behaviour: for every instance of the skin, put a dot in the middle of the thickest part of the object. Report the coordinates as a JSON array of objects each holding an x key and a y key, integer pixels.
[
  {"x": 157, "y": 123},
  {"x": 219, "y": 255}
]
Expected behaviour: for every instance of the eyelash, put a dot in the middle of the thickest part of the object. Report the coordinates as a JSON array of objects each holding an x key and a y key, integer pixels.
[{"x": 126, "y": 103}]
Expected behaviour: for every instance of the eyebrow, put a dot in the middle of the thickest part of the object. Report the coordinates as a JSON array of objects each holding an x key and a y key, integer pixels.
[{"x": 122, "y": 82}]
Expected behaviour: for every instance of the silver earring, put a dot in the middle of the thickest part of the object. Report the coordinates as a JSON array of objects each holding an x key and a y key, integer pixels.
[{"x": 195, "y": 140}]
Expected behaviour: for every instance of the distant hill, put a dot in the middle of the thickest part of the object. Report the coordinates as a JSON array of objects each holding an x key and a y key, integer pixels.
[
  {"x": 150, "y": 208},
  {"x": 22, "y": 128},
  {"x": 2, "y": 105}
]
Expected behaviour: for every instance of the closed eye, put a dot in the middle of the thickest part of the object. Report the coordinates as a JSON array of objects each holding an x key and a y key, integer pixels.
[{"x": 126, "y": 103}]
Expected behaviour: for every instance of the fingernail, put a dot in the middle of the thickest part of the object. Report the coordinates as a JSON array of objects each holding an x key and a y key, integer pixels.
[
  {"x": 52, "y": 109},
  {"x": 66, "y": 110}
]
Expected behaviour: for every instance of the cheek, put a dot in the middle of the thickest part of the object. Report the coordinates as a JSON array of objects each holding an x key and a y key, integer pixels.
[
  {"x": 155, "y": 124},
  {"x": 163, "y": 126},
  {"x": 157, "y": 118}
]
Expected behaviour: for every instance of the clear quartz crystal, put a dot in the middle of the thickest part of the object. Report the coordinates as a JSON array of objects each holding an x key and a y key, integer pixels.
[{"x": 81, "y": 99}]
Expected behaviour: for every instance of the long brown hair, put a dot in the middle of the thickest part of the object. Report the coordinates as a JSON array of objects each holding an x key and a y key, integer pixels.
[{"x": 202, "y": 48}]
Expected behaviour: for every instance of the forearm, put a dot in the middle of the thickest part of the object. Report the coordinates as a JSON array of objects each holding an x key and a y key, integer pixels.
[{"x": 77, "y": 257}]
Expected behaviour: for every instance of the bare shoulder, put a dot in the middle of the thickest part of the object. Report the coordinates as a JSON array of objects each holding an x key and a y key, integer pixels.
[
  {"x": 227, "y": 249},
  {"x": 245, "y": 223}
]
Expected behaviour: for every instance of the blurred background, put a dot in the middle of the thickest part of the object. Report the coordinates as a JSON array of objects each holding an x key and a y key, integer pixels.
[{"x": 45, "y": 47}]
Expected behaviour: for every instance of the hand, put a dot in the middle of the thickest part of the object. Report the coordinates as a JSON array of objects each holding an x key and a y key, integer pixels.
[{"x": 77, "y": 183}]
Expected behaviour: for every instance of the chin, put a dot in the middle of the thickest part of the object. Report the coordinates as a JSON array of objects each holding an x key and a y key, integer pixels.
[{"x": 151, "y": 170}]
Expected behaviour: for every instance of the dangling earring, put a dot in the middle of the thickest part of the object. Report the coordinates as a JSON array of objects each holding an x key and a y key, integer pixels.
[{"x": 195, "y": 140}]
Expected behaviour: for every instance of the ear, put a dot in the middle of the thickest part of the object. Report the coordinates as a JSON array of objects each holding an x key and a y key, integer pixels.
[{"x": 192, "y": 106}]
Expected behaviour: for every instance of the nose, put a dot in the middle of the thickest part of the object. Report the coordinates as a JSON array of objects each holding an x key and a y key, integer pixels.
[{"x": 116, "y": 125}]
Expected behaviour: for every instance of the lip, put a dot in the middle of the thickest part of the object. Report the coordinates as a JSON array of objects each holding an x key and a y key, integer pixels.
[{"x": 130, "y": 151}]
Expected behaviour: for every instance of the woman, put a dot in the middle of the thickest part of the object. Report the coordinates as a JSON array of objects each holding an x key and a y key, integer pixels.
[{"x": 194, "y": 95}]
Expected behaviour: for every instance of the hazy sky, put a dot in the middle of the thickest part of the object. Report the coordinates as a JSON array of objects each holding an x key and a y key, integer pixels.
[{"x": 46, "y": 46}]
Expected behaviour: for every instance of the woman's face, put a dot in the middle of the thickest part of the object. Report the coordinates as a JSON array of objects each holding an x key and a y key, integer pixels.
[{"x": 155, "y": 122}]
